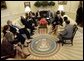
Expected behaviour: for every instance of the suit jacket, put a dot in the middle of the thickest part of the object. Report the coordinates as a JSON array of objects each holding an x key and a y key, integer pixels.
[
  {"x": 37, "y": 14},
  {"x": 68, "y": 31},
  {"x": 20, "y": 38},
  {"x": 49, "y": 14},
  {"x": 13, "y": 29},
  {"x": 26, "y": 23},
  {"x": 23, "y": 21},
  {"x": 56, "y": 21},
  {"x": 59, "y": 20}
]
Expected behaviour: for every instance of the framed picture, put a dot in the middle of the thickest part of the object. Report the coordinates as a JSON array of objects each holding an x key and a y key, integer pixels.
[
  {"x": 27, "y": 4},
  {"x": 62, "y": 2},
  {"x": 3, "y": 5}
]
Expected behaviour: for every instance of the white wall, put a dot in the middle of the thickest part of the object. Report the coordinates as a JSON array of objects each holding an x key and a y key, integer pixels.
[
  {"x": 13, "y": 11},
  {"x": 16, "y": 8},
  {"x": 71, "y": 9}
]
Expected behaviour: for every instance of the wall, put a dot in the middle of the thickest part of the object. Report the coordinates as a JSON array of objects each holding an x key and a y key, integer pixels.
[
  {"x": 16, "y": 8},
  {"x": 71, "y": 9},
  {"x": 13, "y": 11}
]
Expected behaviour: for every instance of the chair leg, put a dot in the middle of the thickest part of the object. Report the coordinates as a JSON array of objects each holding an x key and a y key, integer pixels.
[
  {"x": 62, "y": 42},
  {"x": 72, "y": 42}
]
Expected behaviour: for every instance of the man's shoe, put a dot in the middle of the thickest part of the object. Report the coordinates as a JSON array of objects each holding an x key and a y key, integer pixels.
[{"x": 28, "y": 42}]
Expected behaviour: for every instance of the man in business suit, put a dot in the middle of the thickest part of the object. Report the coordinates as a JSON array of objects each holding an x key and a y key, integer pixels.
[
  {"x": 14, "y": 29},
  {"x": 29, "y": 23},
  {"x": 67, "y": 33},
  {"x": 58, "y": 18},
  {"x": 38, "y": 15},
  {"x": 79, "y": 16},
  {"x": 33, "y": 18},
  {"x": 49, "y": 16}
]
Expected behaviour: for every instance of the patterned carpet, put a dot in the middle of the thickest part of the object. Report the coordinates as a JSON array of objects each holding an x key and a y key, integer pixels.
[
  {"x": 66, "y": 52},
  {"x": 43, "y": 46}
]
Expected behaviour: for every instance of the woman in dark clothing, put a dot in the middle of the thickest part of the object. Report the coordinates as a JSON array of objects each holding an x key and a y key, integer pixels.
[
  {"x": 7, "y": 49},
  {"x": 6, "y": 29}
]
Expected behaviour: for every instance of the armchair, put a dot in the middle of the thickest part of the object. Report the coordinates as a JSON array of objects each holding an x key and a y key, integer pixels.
[{"x": 75, "y": 28}]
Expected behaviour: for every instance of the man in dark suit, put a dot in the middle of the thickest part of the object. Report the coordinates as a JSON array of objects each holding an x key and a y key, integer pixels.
[
  {"x": 49, "y": 14},
  {"x": 38, "y": 15},
  {"x": 14, "y": 29},
  {"x": 33, "y": 17},
  {"x": 28, "y": 22},
  {"x": 58, "y": 18}
]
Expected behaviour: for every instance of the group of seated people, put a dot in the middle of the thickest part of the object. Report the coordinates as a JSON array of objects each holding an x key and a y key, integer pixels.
[
  {"x": 65, "y": 23},
  {"x": 15, "y": 36}
]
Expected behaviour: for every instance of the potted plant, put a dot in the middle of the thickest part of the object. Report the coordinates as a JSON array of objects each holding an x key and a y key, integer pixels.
[{"x": 37, "y": 4}]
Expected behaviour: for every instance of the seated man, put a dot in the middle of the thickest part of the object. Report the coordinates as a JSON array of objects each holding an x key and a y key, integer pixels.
[
  {"x": 58, "y": 18},
  {"x": 65, "y": 19},
  {"x": 32, "y": 16},
  {"x": 49, "y": 16},
  {"x": 29, "y": 23},
  {"x": 38, "y": 15},
  {"x": 14, "y": 28},
  {"x": 68, "y": 31}
]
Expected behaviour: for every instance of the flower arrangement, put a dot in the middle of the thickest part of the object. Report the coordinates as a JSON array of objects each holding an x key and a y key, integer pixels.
[{"x": 43, "y": 22}]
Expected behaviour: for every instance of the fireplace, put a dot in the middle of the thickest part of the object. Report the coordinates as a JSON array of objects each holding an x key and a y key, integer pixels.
[{"x": 43, "y": 13}]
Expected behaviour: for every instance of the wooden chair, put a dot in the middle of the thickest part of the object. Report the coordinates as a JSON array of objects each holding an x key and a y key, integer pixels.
[{"x": 75, "y": 28}]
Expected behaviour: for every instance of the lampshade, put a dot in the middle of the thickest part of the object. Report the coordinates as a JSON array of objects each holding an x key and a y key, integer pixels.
[
  {"x": 61, "y": 8},
  {"x": 27, "y": 9}
]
